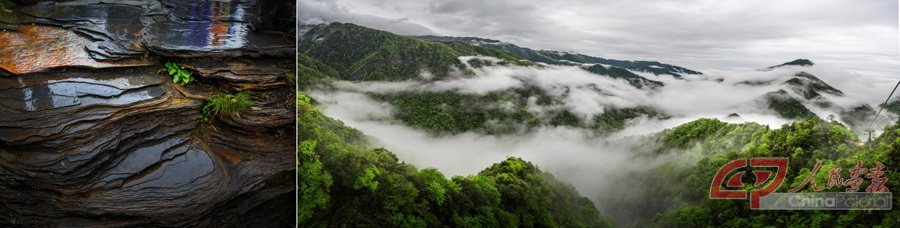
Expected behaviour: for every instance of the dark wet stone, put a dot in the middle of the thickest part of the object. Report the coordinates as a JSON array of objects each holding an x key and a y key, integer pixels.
[
  {"x": 112, "y": 51},
  {"x": 208, "y": 10},
  {"x": 39, "y": 98},
  {"x": 241, "y": 71},
  {"x": 116, "y": 27},
  {"x": 121, "y": 80},
  {"x": 74, "y": 91},
  {"x": 261, "y": 119},
  {"x": 213, "y": 29},
  {"x": 213, "y": 39}
]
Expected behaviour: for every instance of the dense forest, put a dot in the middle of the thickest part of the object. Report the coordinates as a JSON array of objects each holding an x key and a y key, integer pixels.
[
  {"x": 675, "y": 194},
  {"x": 362, "y": 54},
  {"x": 617, "y": 72},
  {"x": 501, "y": 112},
  {"x": 343, "y": 182}
]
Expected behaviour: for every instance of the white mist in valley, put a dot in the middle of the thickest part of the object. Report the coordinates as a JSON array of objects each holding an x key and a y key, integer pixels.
[{"x": 589, "y": 162}]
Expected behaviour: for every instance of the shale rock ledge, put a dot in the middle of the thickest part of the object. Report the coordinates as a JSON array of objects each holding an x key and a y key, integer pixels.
[{"x": 92, "y": 136}]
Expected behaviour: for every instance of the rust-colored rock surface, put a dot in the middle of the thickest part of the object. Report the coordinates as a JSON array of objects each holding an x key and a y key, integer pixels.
[
  {"x": 33, "y": 49},
  {"x": 92, "y": 136}
]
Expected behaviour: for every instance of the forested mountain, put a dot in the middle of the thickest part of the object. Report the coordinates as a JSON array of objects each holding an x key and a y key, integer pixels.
[
  {"x": 354, "y": 53},
  {"x": 796, "y": 62},
  {"x": 362, "y": 54},
  {"x": 676, "y": 194},
  {"x": 616, "y": 72},
  {"x": 452, "y": 88},
  {"x": 803, "y": 91},
  {"x": 557, "y": 57}
]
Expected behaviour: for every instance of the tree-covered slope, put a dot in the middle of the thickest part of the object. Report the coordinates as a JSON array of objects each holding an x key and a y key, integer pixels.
[
  {"x": 363, "y": 54},
  {"x": 786, "y": 106},
  {"x": 616, "y": 72},
  {"x": 344, "y": 183},
  {"x": 522, "y": 52},
  {"x": 677, "y": 194},
  {"x": 501, "y": 112},
  {"x": 311, "y": 70}
]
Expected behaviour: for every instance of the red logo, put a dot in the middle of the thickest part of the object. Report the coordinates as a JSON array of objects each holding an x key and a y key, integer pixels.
[{"x": 716, "y": 191}]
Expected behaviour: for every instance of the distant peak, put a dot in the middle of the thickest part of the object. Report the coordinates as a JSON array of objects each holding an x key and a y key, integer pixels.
[
  {"x": 796, "y": 62},
  {"x": 799, "y": 62}
]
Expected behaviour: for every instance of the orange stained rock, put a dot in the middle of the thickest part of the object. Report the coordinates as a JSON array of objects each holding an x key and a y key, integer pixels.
[
  {"x": 37, "y": 48},
  {"x": 179, "y": 101},
  {"x": 231, "y": 155}
]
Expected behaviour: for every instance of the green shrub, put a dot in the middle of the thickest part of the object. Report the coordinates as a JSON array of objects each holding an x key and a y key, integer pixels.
[
  {"x": 179, "y": 74},
  {"x": 227, "y": 104}
]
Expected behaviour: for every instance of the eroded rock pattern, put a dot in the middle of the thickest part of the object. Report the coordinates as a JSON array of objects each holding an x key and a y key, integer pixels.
[
  {"x": 92, "y": 136},
  {"x": 32, "y": 49}
]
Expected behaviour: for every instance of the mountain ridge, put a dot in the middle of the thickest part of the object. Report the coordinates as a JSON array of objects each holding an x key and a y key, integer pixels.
[
  {"x": 564, "y": 58},
  {"x": 372, "y": 55}
]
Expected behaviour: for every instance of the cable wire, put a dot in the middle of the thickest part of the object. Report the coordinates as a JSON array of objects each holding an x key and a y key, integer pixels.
[{"x": 883, "y": 105}]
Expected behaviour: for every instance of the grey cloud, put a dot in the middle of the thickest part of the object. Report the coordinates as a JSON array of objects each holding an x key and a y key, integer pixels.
[
  {"x": 710, "y": 36},
  {"x": 314, "y": 12}
]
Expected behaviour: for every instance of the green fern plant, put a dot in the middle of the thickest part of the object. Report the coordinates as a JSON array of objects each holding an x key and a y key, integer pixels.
[
  {"x": 227, "y": 104},
  {"x": 179, "y": 74}
]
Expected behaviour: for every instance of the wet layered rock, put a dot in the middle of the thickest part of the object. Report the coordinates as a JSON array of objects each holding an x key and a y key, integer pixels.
[
  {"x": 92, "y": 136},
  {"x": 243, "y": 73},
  {"x": 113, "y": 26},
  {"x": 31, "y": 49},
  {"x": 213, "y": 29}
]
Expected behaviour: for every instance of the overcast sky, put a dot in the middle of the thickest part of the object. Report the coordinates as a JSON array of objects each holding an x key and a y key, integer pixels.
[{"x": 705, "y": 35}]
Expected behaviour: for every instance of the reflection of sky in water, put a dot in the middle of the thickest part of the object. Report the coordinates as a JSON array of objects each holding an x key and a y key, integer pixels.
[
  {"x": 216, "y": 32},
  {"x": 38, "y": 98},
  {"x": 64, "y": 94},
  {"x": 145, "y": 157},
  {"x": 182, "y": 170}
]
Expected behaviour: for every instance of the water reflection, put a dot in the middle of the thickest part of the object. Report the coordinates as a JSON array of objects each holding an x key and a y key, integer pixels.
[
  {"x": 65, "y": 94},
  {"x": 183, "y": 169},
  {"x": 210, "y": 26},
  {"x": 38, "y": 98},
  {"x": 214, "y": 24},
  {"x": 121, "y": 80}
]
